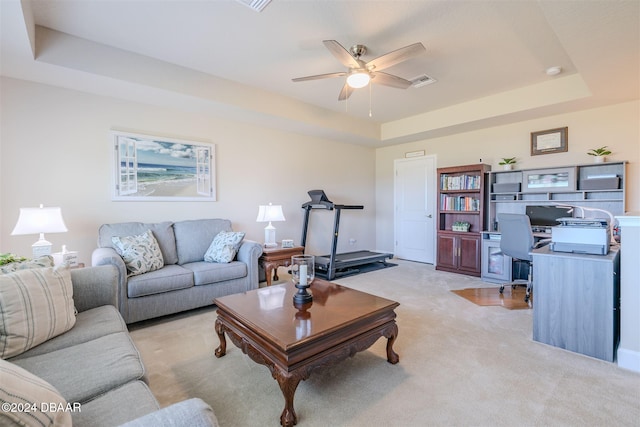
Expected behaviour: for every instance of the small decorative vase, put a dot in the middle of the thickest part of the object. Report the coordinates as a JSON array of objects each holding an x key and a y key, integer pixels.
[
  {"x": 302, "y": 274},
  {"x": 507, "y": 167},
  {"x": 599, "y": 159}
]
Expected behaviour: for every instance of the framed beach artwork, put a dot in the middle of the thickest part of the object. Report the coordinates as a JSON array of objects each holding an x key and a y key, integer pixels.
[{"x": 151, "y": 168}]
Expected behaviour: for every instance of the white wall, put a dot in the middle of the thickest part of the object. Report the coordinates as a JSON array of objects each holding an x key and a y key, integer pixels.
[
  {"x": 55, "y": 149},
  {"x": 616, "y": 126}
]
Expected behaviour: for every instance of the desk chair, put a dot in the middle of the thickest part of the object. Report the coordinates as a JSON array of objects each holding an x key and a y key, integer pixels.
[{"x": 517, "y": 241}]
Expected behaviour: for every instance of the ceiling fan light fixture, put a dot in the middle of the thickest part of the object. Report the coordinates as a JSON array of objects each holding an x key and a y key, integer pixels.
[{"x": 358, "y": 79}]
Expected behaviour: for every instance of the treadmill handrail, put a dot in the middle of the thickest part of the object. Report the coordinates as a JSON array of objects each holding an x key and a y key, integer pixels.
[{"x": 348, "y": 206}]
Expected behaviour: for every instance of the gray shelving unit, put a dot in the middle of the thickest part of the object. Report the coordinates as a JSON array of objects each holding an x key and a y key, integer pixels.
[{"x": 588, "y": 185}]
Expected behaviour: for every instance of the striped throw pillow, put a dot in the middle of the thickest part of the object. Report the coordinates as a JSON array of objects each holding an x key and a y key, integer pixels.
[
  {"x": 28, "y": 400},
  {"x": 35, "y": 306}
]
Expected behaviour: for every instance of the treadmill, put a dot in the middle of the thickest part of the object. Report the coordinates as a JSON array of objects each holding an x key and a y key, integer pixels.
[{"x": 337, "y": 265}]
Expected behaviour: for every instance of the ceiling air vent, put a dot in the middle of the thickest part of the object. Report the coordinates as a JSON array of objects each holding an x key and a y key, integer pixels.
[
  {"x": 256, "y": 5},
  {"x": 422, "y": 80}
]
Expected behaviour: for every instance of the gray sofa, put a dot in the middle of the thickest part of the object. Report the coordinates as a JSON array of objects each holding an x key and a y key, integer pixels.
[
  {"x": 185, "y": 281},
  {"x": 96, "y": 366}
]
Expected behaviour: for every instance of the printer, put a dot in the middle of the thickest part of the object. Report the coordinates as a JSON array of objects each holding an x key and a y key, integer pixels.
[{"x": 581, "y": 235}]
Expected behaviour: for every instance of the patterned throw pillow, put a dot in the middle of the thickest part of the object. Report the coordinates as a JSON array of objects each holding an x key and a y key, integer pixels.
[
  {"x": 36, "y": 305},
  {"x": 224, "y": 246},
  {"x": 28, "y": 400},
  {"x": 141, "y": 253},
  {"x": 40, "y": 262}
]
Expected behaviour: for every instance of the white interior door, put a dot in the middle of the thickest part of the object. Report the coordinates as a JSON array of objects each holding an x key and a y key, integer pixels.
[{"x": 415, "y": 197}]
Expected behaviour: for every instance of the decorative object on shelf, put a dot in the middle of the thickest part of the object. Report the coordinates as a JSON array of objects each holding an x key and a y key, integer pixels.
[
  {"x": 151, "y": 168},
  {"x": 550, "y": 141},
  {"x": 548, "y": 180},
  {"x": 66, "y": 257},
  {"x": 39, "y": 221},
  {"x": 460, "y": 226},
  {"x": 268, "y": 213},
  {"x": 302, "y": 274},
  {"x": 599, "y": 154},
  {"x": 287, "y": 243},
  {"x": 507, "y": 163}
]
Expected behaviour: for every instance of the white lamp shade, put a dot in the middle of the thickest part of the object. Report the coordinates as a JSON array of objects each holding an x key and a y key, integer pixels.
[
  {"x": 268, "y": 213},
  {"x": 39, "y": 220}
]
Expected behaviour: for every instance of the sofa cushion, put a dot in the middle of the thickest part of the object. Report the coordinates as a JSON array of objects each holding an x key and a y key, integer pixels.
[
  {"x": 192, "y": 412},
  {"x": 168, "y": 278},
  {"x": 224, "y": 246},
  {"x": 205, "y": 273},
  {"x": 90, "y": 324},
  {"x": 163, "y": 232},
  {"x": 31, "y": 400},
  {"x": 98, "y": 366},
  {"x": 35, "y": 306},
  {"x": 141, "y": 253},
  {"x": 193, "y": 237},
  {"x": 40, "y": 262},
  {"x": 125, "y": 403}
]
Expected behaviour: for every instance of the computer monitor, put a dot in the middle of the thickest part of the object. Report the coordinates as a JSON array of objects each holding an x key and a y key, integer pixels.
[{"x": 546, "y": 216}]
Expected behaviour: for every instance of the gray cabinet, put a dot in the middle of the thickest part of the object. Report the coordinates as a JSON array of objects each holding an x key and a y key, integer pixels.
[
  {"x": 496, "y": 266},
  {"x": 577, "y": 301}
]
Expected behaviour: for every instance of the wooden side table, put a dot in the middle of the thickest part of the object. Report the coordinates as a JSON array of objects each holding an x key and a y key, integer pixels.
[{"x": 275, "y": 257}]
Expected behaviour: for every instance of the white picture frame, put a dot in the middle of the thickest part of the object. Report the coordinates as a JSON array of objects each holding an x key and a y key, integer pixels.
[{"x": 153, "y": 168}]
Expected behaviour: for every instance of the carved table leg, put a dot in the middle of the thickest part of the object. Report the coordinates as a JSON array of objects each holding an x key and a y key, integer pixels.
[
  {"x": 222, "y": 349},
  {"x": 392, "y": 356},
  {"x": 288, "y": 384}
]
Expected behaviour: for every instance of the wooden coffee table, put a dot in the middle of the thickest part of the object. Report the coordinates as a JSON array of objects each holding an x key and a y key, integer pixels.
[{"x": 292, "y": 342}]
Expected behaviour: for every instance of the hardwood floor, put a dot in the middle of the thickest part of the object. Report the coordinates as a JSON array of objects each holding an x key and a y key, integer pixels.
[{"x": 512, "y": 299}]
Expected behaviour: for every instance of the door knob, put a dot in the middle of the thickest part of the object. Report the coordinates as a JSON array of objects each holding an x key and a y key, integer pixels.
[{"x": 429, "y": 216}]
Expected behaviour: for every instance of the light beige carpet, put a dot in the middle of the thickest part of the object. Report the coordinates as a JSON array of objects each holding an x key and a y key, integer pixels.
[{"x": 460, "y": 365}]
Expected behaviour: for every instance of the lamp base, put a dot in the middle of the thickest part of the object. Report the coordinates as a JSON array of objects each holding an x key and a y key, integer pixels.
[
  {"x": 41, "y": 247},
  {"x": 270, "y": 236}
]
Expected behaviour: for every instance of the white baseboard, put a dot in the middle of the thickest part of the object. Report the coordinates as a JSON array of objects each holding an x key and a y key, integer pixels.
[{"x": 628, "y": 359}]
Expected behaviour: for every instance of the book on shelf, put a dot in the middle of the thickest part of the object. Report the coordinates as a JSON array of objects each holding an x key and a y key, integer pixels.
[
  {"x": 459, "y": 182},
  {"x": 459, "y": 203}
]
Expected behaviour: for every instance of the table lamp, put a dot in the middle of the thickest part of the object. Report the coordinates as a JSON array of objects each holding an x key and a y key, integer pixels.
[
  {"x": 39, "y": 221},
  {"x": 268, "y": 213}
]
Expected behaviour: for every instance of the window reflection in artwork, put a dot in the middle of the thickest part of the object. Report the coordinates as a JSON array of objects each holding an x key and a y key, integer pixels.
[{"x": 153, "y": 168}]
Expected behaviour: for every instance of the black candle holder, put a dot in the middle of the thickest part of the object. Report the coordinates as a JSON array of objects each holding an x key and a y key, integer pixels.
[
  {"x": 302, "y": 274},
  {"x": 302, "y": 296}
]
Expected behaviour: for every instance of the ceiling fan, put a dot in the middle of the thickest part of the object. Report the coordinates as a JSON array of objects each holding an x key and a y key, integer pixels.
[{"x": 360, "y": 73}]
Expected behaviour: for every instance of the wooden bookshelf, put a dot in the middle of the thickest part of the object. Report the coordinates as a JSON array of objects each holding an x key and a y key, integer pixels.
[{"x": 461, "y": 210}]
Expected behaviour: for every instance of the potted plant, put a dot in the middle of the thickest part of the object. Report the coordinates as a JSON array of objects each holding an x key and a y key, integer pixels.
[
  {"x": 599, "y": 154},
  {"x": 8, "y": 258},
  {"x": 507, "y": 163}
]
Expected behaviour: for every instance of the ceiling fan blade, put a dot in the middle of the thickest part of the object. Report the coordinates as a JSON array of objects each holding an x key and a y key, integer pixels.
[
  {"x": 345, "y": 92},
  {"x": 395, "y": 57},
  {"x": 320, "y": 76},
  {"x": 341, "y": 54},
  {"x": 390, "y": 80}
]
